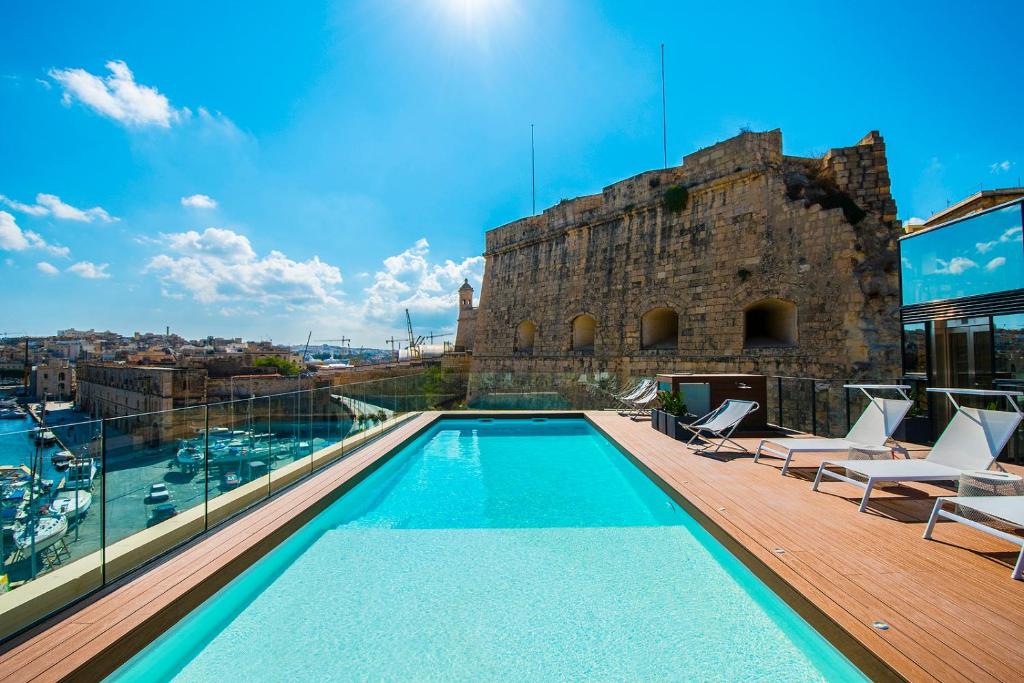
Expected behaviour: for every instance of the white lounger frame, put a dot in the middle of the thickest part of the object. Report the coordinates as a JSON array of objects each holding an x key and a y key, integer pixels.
[
  {"x": 626, "y": 399},
  {"x": 965, "y": 501},
  {"x": 720, "y": 425},
  {"x": 785, "y": 451},
  {"x": 952, "y": 473}
]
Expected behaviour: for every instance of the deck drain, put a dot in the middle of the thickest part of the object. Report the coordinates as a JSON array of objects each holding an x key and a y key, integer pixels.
[{"x": 880, "y": 625}]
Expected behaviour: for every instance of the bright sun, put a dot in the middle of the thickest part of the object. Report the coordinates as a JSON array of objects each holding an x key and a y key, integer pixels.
[{"x": 475, "y": 13}]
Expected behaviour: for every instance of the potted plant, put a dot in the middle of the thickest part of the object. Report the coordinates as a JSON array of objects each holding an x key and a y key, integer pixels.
[{"x": 674, "y": 411}]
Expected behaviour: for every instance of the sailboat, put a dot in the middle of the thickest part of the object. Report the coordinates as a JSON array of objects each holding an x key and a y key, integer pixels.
[
  {"x": 48, "y": 530},
  {"x": 66, "y": 504}
]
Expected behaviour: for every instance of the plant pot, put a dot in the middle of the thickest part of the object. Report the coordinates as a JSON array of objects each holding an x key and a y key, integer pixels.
[
  {"x": 917, "y": 429},
  {"x": 654, "y": 419},
  {"x": 672, "y": 428}
]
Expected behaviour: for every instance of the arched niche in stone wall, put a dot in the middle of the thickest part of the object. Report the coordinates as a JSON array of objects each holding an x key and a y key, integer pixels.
[
  {"x": 659, "y": 329},
  {"x": 769, "y": 322},
  {"x": 526, "y": 334},
  {"x": 584, "y": 328}
]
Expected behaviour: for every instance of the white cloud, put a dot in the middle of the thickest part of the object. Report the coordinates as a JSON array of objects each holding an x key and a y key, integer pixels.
[
  {"x": 410, "y": 280},
  {"x": 37, "y": 242},
  {"x": 51, "y": 204},
  {"x": 199, "y": 201},
  {"x": 1000, "y": 166},
  {"x": 13, "y": 238},
  {"x": 995, "y": 263},
  {"x": 956, "y": 266},
  {"x": 220, "y": 265},
  {"x": 1009, "y": 235},
  {"x": 914, "y": 221},
  {"x": 90, "y": 270},
  {"x": 47, "y": 268},
  {"x": 118, "y": 96}
]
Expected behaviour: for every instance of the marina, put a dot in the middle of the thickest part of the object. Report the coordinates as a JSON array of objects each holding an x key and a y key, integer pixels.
[{"x": 65, "y": 465}]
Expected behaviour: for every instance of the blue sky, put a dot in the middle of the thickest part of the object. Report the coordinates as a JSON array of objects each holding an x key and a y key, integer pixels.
[{"x": 354, "y": 153}]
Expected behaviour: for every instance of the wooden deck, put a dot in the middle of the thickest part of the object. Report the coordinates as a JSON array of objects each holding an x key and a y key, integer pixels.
[
  {"x": 953, "y": 612},
  {"x": 89, "y": 640}
]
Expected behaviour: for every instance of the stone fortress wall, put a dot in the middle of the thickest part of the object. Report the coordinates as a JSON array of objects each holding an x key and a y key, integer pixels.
[{"x": 763, "y": 262}]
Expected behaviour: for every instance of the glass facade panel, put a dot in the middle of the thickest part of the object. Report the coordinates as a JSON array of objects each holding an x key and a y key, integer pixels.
[
  {"x": 979, "y": 255},
  {"x": 915, "y": 349},
  {"x": 1009, "y": 346}
]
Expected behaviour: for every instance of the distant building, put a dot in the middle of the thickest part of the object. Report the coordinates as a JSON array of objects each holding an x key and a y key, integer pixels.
[
  {"x": 54, "y": 379},
  {"x": 115, "y": 390},
  {"x": 465, "y": 332}
]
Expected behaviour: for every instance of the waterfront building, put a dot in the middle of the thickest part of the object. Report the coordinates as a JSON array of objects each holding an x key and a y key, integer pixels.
[
  {"x": 53, "y": 379},
  {"x": 108, "y": 390}
]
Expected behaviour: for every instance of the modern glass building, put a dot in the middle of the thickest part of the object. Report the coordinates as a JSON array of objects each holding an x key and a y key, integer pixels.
[{"x": 962, "y": 311}]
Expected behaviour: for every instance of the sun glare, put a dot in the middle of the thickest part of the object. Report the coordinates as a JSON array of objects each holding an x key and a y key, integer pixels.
[{"x": 477, "y": 13}]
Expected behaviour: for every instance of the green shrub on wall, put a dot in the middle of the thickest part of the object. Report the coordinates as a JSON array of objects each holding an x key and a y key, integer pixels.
[{"x": 676, "y": 198}]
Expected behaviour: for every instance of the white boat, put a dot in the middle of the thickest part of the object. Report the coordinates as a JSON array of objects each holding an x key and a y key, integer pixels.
[
  {"x": 48, "y": 530},
  {"x": 46, "y": 436},
  {"x": 189, "y": 455},
  {"x": 80, "y": 474},
  {"x": 66, "y": 504}
]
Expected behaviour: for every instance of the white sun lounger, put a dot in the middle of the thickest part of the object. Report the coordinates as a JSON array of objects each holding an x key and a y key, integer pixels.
[
  {"x": 1007, "y": 508},
  {"x": 636, "y": 391},
  {"x": 972, "y": 441},
  {"x": 720, "y": 423},
  {"x": 874, "y": 427},
  {"x": 644, "y": 401}
]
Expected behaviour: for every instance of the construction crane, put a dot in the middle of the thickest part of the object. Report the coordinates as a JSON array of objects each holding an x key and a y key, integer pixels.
[
  {"x": 408, "y": 325},
  {"x": 393, "y": 341},
  {"x": 341, "y": 341},
  {"x": 431, "y": 336}
]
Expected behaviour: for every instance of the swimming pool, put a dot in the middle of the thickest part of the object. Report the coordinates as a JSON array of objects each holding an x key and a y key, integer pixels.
[{"x": 495, "y": 549}]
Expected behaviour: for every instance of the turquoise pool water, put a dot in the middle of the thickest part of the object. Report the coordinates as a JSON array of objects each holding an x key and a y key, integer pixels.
[{"x": 505, "y": 549}]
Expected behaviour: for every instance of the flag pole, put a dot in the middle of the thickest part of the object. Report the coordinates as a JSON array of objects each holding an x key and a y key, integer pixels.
[
  {"x": 533, "y": 172},
  {"x": 664, "y": 120}
]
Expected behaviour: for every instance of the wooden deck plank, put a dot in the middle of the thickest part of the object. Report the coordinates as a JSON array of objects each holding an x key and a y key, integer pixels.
[{"x": 954, "y": 614}]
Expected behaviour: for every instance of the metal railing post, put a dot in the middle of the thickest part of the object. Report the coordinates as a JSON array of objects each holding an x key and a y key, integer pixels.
[
  {"x": 814, "y": 407},
  {"x": 103, "y": 503},
  {"x": 206, "y": 466},
  {"x": 846, "y": 401},
  {"x": 781, "y": 423}
]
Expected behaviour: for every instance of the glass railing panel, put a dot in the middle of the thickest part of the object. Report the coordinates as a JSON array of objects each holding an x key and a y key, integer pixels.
[
  {"x": 51, "y": 533},
  {"x": 289, "y": 438},
  {"x": 154, "y": 485},
  {"x": 236, "y": 440}
]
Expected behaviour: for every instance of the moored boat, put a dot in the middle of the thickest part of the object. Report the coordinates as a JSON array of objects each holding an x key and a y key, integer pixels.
[
  {"x": 47, "y": 530},
  {"x": 80, "y": 474},
  {"x": 72, "y": 503}
]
